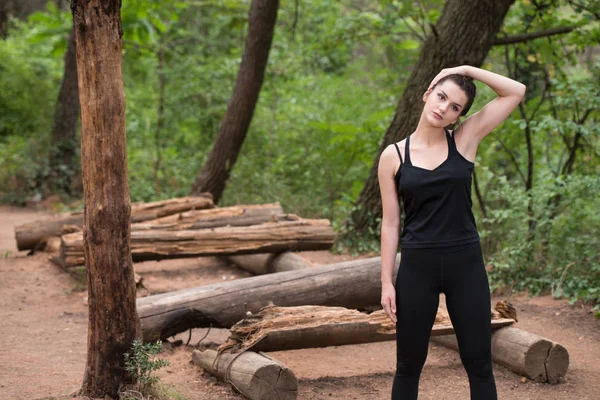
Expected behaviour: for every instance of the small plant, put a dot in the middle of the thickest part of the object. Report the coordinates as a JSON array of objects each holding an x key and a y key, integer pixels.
[{"x": 142, "y": 361}]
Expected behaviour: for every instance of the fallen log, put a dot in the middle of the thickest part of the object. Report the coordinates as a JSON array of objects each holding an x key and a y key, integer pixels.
[
  {"x": 256, "y": 376},
  {"x": 525, "y": 353},
  {"x": 260, "y": 264},
  {"x": 29, "y": 235},
  {"x": 240, "y": 215},
  {"x": 285, "y": 328},
  {"x": 351, "y": 284},
  {"x": 290, "y": 233}
]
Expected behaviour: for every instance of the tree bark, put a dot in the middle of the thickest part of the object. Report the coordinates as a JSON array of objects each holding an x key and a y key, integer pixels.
[
  {"x": 291, "y": 233},
  {"x": 256, "y": 376},
  {"x": 464, "y": 34},
  {"x": 106, "y": 224},
  {"x": 64, "y": 131},
  {"x": 223, "y": 304},
  {"x": 3, "y": 19},
  {"x": 222, "y": 157}
]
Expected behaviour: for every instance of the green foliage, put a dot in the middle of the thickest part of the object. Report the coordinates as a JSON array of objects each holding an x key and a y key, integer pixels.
[{"x": 141, "y": 362}]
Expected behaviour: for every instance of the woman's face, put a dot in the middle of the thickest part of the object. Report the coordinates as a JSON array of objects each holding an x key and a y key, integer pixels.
[{"x": 444, "y": 104}]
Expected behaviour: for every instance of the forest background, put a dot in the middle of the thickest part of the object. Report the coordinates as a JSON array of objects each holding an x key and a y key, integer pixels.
[{"x": 335, "y": 73}]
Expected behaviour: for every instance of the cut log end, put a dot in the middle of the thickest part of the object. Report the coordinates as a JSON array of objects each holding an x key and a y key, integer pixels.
[{"x": 557, "y": 363}]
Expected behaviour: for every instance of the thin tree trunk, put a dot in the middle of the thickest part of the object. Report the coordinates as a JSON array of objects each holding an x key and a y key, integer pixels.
[
  {"x": 3, "y": 19},
  {"x": 228, "y": 142},
  {"x": 464, "y": 34},
  {"x": 106, "y": 227},
  {"x": 64, "y": 131}
]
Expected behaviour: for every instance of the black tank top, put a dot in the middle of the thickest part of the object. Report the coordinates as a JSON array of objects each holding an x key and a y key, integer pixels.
[{"x": 437, "y": 203}]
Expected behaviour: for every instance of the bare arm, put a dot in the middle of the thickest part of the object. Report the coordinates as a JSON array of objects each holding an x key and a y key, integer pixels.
[
  {"x": 510, "y": 93},
  {"x": 479, "y": 125},
  {"x": 390, "y": 224}
]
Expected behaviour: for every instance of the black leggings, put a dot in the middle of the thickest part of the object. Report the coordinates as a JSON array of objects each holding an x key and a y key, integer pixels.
[{"x": 458, "y": 272}]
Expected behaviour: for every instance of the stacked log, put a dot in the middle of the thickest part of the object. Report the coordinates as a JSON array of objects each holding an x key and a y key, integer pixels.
[
  {"x": 241, "y": 215},
  {"x": 289, "y": 233},
  {"x": 28, "y": 236}
]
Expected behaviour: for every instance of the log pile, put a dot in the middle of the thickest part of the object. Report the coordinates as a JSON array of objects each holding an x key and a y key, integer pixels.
[
  {"x": 256, "y": 237},
  {"x": 287, "y": 233},
  {"x": 30, "y": 235}
]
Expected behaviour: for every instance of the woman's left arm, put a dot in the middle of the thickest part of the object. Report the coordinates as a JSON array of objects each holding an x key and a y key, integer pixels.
[{"x": 510, "y": 93}]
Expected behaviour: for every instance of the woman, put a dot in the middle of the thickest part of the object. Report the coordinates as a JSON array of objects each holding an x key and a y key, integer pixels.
[{"x": 431, "y": 172}]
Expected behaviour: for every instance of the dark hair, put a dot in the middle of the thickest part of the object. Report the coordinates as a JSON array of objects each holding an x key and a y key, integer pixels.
[{"x": 466, "y": 84}]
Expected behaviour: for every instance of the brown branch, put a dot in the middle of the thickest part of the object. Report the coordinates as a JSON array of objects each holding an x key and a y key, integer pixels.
[
  {"x": 478, "y": 194},
  {"x": 525, "y": 37},
  {"x": 514, "y": 161}
]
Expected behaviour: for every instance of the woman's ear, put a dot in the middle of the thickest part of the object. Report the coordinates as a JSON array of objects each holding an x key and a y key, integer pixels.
[{"x": 426, "y": 95}]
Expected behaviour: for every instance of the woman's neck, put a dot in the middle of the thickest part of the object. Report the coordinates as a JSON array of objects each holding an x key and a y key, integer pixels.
[{"x": 426, "y": 134}]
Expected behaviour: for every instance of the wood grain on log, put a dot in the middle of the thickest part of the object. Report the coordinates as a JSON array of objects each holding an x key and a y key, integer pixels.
[
  {"x": 256, "y": 376},
  {"x": 291, "y": 233},
  {"x": 240, "y": 215}
]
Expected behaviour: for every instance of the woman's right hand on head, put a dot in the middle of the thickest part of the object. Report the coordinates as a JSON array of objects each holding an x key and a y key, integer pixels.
[{"x": 388, "y": 300}]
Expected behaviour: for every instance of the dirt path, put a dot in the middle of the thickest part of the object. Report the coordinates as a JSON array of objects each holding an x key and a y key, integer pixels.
[{"x": 43, "y": 328}]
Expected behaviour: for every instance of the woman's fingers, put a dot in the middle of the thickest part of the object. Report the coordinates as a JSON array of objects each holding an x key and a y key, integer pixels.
[{"x": 389, "y": 306}]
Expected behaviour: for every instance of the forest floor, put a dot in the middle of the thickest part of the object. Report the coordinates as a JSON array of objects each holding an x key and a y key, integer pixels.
[{"x": 43, "y": 328}]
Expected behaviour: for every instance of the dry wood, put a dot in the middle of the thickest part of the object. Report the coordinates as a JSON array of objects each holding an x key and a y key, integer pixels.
[
  {"x": 290, "y": 233},
  {"x": 256, "y": 376},
  {"x": 240, "y": 215},
  {"x": 223, "y": 304},
  {"x": 284, "y": 328},
  {"x": 527, "y": 354},
  {"x": 112, "y": 318},
  {"x": 260, "y": 264},
  {"x": 29, "y": 235}
]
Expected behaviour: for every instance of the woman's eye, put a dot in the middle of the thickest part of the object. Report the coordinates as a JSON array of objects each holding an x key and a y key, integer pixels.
[
  {"x": 455, "y": 108},
  {"x": 440, "y": 96}
]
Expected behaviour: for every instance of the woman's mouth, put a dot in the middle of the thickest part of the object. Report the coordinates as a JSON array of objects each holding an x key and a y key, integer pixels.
[{"x": 438, "y": 116}]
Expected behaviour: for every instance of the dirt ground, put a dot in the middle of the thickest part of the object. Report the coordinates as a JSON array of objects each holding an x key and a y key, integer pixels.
[{"x": 43, "y": 327}]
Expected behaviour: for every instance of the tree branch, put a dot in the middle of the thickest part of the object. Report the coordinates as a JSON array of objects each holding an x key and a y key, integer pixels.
[{"x": 525, "y": 37}]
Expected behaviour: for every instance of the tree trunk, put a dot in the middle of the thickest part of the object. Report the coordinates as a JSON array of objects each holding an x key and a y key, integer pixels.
[
  {"x": 223, "y": 304},
  {"x": 3, "y": 19},
  {"x": 256, "y": 376},
  {"x": 464, "y": 34},
  {"x": 291, "y": 233},
  {"x": 106, "y": 224},
  {"x": 64, "y": 131},
  {"x": 234, "y": 126}
]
